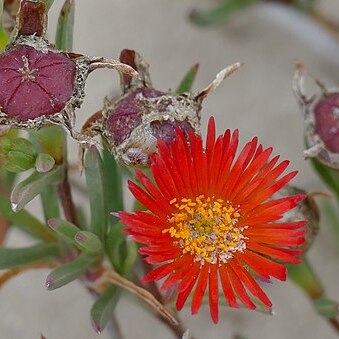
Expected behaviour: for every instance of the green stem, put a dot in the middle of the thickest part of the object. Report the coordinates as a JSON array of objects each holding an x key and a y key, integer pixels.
[{"x": 305, "y": 277}]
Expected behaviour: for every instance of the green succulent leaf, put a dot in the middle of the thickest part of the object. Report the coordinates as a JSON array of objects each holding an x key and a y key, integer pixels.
[
  {"x": 64, "y": 33},
  {"x": 102, "y": 309},
  {"x": 220, "y": 14},
  {"x": 304, "y": 276},
  {"x": 50, "y": 140},
  {"x": 96, "y": 191},
  {"x": 50, "y": 203},
  {"x": 29, "y": 188},
  {"x": 48, "y": 3},
  {"x": 188, "y": 80},
  {"x": 328, "y": 175},
  {"x": 17, "y": 154},
  {"x": 88, "y": 242},
  {"x": 44, "y": 163},
  {"x": 3, "y": 39},
  {"x": 11, "y": 257},
  {"x": 66, "y": 230},
  {"x": 25, "y": 221},
  {"x": 326, "y": 307},
  {"x": 3, "y": 35},
  {"x": 66, "y": 273},
  {"x": 116, "y": 247},
  {"x": 113, "y": 184}
]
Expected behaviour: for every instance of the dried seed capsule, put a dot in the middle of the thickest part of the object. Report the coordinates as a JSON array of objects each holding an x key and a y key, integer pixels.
[
  {"x": 321, "y": 118},
  {"x": 40, "y": 84},
  {"x": 326, "y": 113},
  {"x": 132, "y": 123},
  {"x": 35, "y": 82}
]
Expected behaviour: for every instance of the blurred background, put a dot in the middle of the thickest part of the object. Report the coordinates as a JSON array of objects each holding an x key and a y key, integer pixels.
[{"x": 269, "y": 38}]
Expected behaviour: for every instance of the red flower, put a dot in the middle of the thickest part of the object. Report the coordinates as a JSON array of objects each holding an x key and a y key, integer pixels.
[{"x": 211, "y": 219}]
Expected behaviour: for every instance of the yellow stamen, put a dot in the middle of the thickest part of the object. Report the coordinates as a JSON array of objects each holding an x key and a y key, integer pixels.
[{"x": 206, "y": 228}]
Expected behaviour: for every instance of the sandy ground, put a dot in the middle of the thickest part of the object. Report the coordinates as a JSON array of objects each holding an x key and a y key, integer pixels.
[{"x": 258, "y": 100}]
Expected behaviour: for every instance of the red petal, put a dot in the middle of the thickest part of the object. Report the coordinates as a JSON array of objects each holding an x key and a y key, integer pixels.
[
  {"x": 239, "y": 289},
  {"x": 163, "y": 270},
  {"x": 263, "y": 266},
  {"x": 272, "y": 252},
  {"x": 178, "y": 274},
  {"x": 249, "y": 282},
  {"x": 200, "y": 163},
  {"x": 193, "y": 273},
  {"x": 182, "y": 296},
  {"x": 200, "y": 289},
  {"x": 252, "y": 169},
  {"x": 229, "y": 152},
  {"x": 227, "y": 287},
  {"x": 147, "y": 200},
  {"x": 214, "y": 293}
]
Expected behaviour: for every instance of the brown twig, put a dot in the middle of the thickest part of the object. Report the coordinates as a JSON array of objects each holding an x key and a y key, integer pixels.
[
  {"x": 178, "y": 330},
  {"x": 65, "y": 194},
  {"x": 3, "y": 229},
  {"x": 329, "y": 25},
  {"x": 335, "y": 324},
  {"x": 13, "y": 272},
  {"x": 112, "y": 277}
]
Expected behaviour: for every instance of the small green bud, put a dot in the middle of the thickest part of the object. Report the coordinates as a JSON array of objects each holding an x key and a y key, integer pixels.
[{"x": 17, "y": 154}]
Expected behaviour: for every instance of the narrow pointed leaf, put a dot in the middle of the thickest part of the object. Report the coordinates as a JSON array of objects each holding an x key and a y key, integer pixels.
[
  {"x": 3, "y": 35},
  {"x": 64, "y": 33},
  {"x": 3, "y": 39},
  {"x": 44, "y": 163},
  {"x": 29, "y": 188},
  {"x": 66, "y": 273},
  {"x": 188, "y": 80},
  {"x": 11, "y": 257},
  {"x": 219, "y": 14},
  {"x": 88, "y": 242},
  {"x": 17, "y": 154},
  {"x": 304, "y": 276},
  {"x": 50, "y": 140},
  {"x": 326, "y": 307},
  {"x": 328, "y": 175},
  {"x": 102, "y": 309},
  {"x": 116, "y": 247},
  {"x": 50, "y": 204},
  {"x": 48, "y": 3},
  {"x": 96, "y": 192},
  {"x": 64, "y": 229},
  {"x": 25, "y": 221},
  {"x": 113, "y": 184}
]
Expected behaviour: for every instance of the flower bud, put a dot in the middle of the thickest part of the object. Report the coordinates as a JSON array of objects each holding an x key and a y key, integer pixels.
[{"x": 17, "y": 155}]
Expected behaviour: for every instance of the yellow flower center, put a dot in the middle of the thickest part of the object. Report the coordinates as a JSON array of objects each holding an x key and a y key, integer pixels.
[{"x": 206, "y": 228}]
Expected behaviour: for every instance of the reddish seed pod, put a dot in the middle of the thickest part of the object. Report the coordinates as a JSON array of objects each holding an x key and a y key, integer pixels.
[
  {"x": 321, "y": 118},
  {"x": 132, "y": 124},
  {"x": 326, "y": 112},
  {"x": 31, "y": 82},
  {"x": 40, "y": 84}
]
